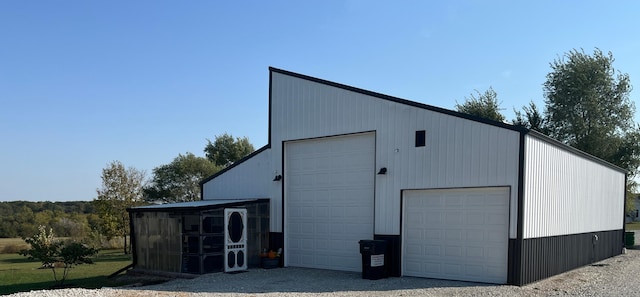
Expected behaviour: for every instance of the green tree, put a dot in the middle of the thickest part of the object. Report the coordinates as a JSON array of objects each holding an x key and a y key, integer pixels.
[
  {"x": 67, "y": 227},
  {"x": 587, "y": 102},
  {"x": 45, "y": 248},
  {"x": 226, "y": 150},
  {"x": 531, "y": 118},
  {"x": 588, "y": 107},
  {"x": 121, "y": 188},
  {"x": 44, "y": 217},
  {"x": 179, "y": 180},
  {"x": 75, "y": 253},
  {"x": 485, "y": 105},
  {"x": 24, "y": 218}
]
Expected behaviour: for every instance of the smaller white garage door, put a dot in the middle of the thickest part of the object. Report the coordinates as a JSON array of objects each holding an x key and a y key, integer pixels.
[{"x": 459, "y": 234}]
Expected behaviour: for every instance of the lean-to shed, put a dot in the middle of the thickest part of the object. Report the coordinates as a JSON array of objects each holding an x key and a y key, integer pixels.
[
  {"x": 455, "y": 196},
  {"x": 199, "y": 237}
]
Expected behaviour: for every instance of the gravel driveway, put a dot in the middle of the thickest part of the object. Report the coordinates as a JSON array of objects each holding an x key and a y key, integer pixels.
[{"x": 618, "y": 276}]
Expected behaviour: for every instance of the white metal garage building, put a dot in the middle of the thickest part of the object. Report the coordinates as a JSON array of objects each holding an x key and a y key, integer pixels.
[{"x": 456, "y": 196}]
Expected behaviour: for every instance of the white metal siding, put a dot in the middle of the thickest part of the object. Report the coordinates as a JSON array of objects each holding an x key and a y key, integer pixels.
[
  {"x": 458, "y": 152},
  {"x": 565, "y": 193},
  {"x": 329, "y": 201},
  {"x": 250, "y": 179},
  {"x": 459, "y": 234}
]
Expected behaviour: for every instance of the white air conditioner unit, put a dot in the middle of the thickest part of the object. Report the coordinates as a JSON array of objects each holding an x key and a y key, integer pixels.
[{"x": 235, "y": 239}]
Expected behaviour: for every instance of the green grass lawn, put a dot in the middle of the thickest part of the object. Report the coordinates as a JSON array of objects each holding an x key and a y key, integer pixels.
[
  {"x": 632, "y": 226},
  {"x": 18, "y": 274}
]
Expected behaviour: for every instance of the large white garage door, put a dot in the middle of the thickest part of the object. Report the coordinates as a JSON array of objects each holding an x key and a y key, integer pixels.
[
  {"x": 459, "y": 234},
  {"x": 329, "y": 200}
]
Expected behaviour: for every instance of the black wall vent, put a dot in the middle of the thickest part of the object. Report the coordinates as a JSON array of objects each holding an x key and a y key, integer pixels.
[{"x": 420, "y": 138}]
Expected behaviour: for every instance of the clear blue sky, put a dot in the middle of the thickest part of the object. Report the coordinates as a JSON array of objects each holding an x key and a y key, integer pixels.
[{"x": 83, "y": 83}]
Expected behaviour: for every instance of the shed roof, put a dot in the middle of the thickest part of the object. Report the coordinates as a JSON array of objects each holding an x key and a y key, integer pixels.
[
  {"x": 192, "y": 205},
  {"x": 520, "y": 129}
]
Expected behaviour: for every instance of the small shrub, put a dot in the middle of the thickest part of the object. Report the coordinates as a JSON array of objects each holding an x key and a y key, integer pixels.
[{"x": 51, "y": 252}]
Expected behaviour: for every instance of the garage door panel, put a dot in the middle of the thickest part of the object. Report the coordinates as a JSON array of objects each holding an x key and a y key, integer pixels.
[
  {"x": 308, "y": 243},
  {"x": 431, "y": 268},
  {"x": 322, "y": 212},
  {"x": 464, "y": 235},
  {"x": 452, "y": 269},
  {"x": 495, "y": 236},
  {"x": 306, "y": 228},
  {"x": 431, "y": 250},
  {"x": 334, "y": 177},
  {"x": 307, "y": 212},
  {"x": 475, "y": 252},
  {"x": 452, "y": 202},
  {"x": 495, "y": 218},
  {"x": 496, "y": 255},
  {"x": 433, "y": 235},
  {"x": 475, "y": 270},
  {"x": 414, "y": 250},
  {"x": 454, "y": 251},
  {"x": 453, "y": 235},
  {"x": 474, "y": 236},
  {"x": 412, "y": 268},
  {"x": 475, "y": 218},
  {"x": 435, "y": 220},
  {"x": 434, "y": 202}
]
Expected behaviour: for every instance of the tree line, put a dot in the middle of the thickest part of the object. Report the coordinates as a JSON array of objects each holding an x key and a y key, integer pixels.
[{"x": 67, "y": 219}]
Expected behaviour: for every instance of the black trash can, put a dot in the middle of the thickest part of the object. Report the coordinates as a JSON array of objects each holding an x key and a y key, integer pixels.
[
  {"x": 373, "y": 263},
  {"x": 630, "y": 239}
]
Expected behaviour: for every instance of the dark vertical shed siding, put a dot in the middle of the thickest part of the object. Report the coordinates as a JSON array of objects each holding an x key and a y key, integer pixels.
[
  {"x": 548, "y": 256},
  {"x": 513, "y": 274}
]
